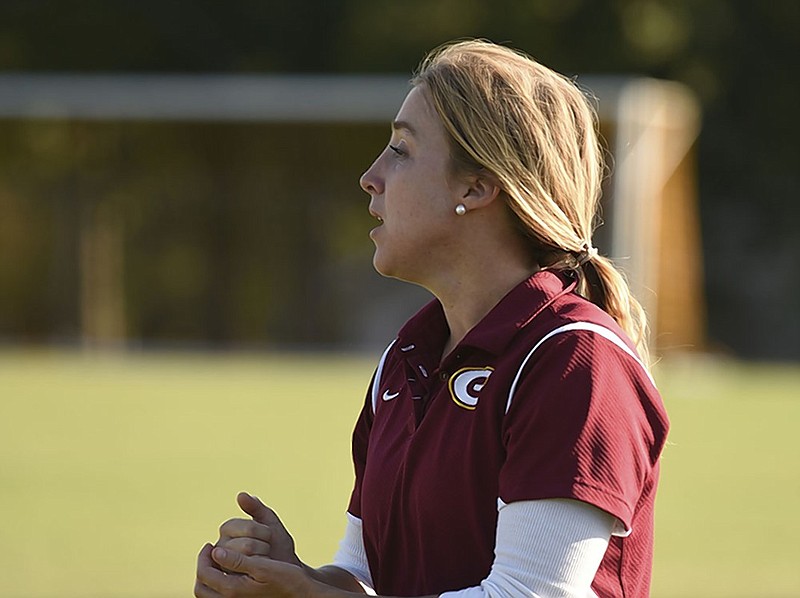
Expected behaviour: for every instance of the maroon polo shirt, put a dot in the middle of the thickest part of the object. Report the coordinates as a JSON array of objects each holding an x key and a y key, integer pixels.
[{"x": 436, "y": 445}]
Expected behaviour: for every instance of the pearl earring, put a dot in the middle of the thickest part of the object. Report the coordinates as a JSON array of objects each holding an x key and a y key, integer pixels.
[{"x": 461, "y": 209}]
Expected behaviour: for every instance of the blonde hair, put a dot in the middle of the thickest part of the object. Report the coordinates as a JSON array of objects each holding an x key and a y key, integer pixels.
[{"x": 535, "y": 131}]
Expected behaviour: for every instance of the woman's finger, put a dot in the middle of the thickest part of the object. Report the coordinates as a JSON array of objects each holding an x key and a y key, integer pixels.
[
  {"x": 202, "y": 591},
  {"x": 244, "y": 528}
]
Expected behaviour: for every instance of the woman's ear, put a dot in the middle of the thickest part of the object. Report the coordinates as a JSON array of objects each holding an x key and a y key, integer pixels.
[{"x": 480, "y": 190}]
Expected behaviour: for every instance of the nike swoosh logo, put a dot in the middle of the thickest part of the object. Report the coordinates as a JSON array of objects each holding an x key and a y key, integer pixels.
[{"x": 387, "y": 396}]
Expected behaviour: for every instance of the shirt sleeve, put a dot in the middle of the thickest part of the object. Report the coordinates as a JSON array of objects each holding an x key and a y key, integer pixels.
[
  {"x": 581, "y": 425},
  {"x": 544, "y": 548},
  {"x": 360, "y": 444}
]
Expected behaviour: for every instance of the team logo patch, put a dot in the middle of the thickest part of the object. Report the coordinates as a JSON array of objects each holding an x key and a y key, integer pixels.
[{"x": 466, "y": 384}]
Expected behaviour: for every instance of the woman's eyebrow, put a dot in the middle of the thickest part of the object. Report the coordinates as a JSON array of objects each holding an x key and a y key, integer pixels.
[{"x": 401, "y": 124}]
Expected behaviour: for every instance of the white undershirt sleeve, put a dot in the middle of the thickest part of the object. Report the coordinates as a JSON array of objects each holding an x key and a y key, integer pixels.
[
  {"x": 545, "y": 549},
  {"x": 351, "y": 555}
]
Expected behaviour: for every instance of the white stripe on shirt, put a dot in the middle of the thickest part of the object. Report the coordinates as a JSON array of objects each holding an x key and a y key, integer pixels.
[{"x": 588, "y": 326}]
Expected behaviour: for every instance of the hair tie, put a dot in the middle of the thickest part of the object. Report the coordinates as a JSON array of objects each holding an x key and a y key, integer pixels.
[{"x": 587, "y": 254}]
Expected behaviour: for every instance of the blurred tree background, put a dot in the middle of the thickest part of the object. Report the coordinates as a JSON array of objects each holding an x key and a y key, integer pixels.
[{"x": 738, "y": 56}]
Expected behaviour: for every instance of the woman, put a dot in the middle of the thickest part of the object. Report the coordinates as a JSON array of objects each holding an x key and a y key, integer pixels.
[{"x": 510, "y": 441}]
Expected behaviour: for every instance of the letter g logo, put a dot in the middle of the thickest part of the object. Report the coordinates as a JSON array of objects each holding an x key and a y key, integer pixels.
[{"x": 466, "y": 384}]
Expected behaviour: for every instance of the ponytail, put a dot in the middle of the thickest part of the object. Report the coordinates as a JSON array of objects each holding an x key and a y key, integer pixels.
[{"x": 603, "y": 284}]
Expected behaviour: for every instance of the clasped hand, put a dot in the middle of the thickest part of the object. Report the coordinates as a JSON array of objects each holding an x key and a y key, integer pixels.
[{"x": 253, "y": 558}]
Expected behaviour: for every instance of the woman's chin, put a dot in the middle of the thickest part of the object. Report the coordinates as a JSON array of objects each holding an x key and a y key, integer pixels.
[
  {"x": 388, "y": 267},
  {"x": 381, "y": 264}
]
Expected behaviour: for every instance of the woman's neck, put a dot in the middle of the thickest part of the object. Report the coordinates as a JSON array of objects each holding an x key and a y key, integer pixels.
[{"x": 467, "y": 297}]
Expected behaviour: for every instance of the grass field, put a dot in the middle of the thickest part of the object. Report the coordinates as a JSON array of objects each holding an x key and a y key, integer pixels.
[{"x": 115, "y": 469}]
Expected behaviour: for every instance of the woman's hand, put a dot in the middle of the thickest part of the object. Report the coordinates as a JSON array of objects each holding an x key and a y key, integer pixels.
[
  {"x": 263, "y": 535},
  {"x": 256, "y": 557},
  {"x": 252, "y": 577}
]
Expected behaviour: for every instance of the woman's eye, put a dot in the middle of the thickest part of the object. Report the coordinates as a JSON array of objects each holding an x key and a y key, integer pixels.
[{"x": 396, "y": 150}]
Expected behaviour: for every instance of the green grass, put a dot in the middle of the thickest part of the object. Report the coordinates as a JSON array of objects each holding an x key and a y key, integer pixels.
[
  {"x": 114, "y": 470},
  {"x": 727, "y": 518}
]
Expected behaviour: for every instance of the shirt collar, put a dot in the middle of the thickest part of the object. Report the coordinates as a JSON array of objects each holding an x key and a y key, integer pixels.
[{"x": 428, "y": 330}]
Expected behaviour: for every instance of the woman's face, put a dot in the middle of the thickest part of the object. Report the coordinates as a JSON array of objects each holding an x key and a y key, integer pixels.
[{"x": 413, "y": 195}]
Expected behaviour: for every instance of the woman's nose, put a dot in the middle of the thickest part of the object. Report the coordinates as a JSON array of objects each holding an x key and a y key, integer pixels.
[{"x": 370, "y": 181}]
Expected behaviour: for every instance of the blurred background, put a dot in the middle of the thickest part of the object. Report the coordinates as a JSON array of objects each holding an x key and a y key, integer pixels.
[{"x": 183, "y": 245}]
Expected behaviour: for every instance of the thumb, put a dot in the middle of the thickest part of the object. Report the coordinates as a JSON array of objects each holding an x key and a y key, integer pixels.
[{"x": 257, "y": 509}]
